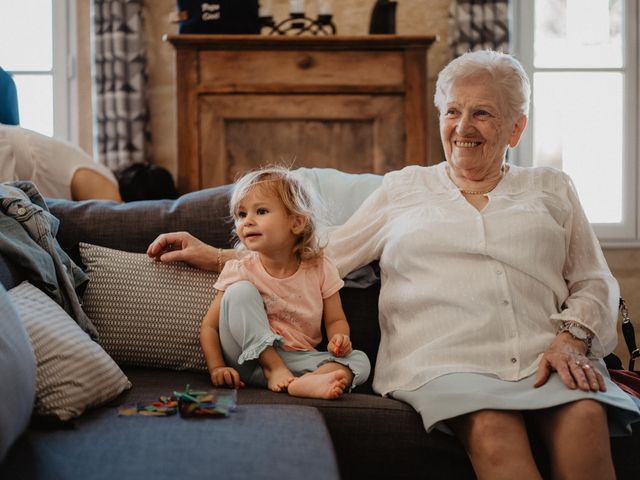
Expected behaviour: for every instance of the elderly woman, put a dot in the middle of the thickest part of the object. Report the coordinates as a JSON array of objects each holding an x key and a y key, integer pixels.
[{"x": 496, "y": 301}]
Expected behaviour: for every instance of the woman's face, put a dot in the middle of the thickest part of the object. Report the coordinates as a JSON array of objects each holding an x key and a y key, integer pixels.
[{"x": 474, "y": 128}]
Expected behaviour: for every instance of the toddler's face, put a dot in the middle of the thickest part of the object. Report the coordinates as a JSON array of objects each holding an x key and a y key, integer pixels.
[{"x": 264, "y": 225}]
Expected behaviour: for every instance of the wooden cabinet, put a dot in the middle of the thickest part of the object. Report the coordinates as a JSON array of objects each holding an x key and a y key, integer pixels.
[{"x": 353, "y": 103}]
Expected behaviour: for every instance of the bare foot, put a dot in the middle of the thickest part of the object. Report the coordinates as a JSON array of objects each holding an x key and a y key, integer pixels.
[
  {"x": 278, "y": 379},
  {"x": 319, "y": 385}
]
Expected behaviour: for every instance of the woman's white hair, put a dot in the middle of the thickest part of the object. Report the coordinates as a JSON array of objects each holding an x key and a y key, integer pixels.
[{"x": 505, "y": 70}]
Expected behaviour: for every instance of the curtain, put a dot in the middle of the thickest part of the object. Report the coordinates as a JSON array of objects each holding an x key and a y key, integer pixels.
[
  {"x": 121, "y": 117},
  {"x": 477, "y": 25}
]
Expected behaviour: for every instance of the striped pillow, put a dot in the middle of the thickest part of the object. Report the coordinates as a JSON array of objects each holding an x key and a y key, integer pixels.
[{"x": 73, "y": 372}]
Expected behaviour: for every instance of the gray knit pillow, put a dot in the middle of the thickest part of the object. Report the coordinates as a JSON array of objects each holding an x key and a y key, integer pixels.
[
  {"x": 73, "y": 373},
  {"x": 146, "y": 313}
]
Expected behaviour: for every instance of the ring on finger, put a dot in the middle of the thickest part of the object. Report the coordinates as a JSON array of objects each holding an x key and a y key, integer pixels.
[{"x": 583, "y": 365}]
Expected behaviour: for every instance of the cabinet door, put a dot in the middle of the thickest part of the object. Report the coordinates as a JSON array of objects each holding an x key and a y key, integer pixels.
[{"x": 353, "y": 133}]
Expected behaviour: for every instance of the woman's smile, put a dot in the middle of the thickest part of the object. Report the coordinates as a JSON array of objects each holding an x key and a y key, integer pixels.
[{"x": 466, "y": 143}]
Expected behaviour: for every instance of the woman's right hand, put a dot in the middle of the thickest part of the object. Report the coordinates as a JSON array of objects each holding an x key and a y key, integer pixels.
[
  {"x": 226, "y": 377},
  {"x": 184, "y": 247}
]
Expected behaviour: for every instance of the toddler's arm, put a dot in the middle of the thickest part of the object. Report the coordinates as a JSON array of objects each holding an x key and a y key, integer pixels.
[
  {"x": 335, "y": 322},
  {"x": 221, "y": 375}
]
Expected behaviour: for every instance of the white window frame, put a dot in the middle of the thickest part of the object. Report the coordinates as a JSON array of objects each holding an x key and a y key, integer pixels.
[
  {"x": 63, "y": 72},
  {"x": 626, "y": 233},
  {"x": 65, "y": 78}
]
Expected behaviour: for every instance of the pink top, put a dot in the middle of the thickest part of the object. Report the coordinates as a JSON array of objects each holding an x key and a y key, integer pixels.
[{"x": 294, "y": 304}]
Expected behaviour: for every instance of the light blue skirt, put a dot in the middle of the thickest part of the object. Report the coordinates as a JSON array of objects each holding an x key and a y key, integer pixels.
[{"x": 457, "y": 394}]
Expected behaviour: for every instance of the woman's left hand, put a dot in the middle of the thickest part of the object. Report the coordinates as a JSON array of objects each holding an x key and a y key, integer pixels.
[{"x": 566, "y": 356}]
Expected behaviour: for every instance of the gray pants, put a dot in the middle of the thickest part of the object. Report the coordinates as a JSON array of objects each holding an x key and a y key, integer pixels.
[{"x": 245, "y": 332}]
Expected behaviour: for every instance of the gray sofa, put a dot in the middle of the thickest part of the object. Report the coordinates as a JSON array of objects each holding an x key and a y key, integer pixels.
[{"x": 372, "y": 437}]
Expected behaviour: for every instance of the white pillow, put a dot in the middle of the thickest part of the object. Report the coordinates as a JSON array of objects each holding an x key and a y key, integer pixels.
[
  {"x": 147, "y": 313},
  {"x": 73, "y": 372},
  {"x": 341, "y": 193}
]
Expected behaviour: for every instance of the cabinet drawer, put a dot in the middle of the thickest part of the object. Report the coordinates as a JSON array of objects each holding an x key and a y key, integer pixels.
[{"x": 232, "y": 70}]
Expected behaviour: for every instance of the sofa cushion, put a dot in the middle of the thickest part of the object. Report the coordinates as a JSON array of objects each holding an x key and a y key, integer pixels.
[
  {"x": 147, "y": 313},
  {"x": 17, "y": 374},
  {"x": 255, "y": 442},
  {"x": 390, "y": 440},
  {"x": 374, "y": 437},
  {"x": 73, "y": 372}
]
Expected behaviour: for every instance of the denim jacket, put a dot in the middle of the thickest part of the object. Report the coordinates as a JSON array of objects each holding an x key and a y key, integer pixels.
[{"x": 27, "y": 239}]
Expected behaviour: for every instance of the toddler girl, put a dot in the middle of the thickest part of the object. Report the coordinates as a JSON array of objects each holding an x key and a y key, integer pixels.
[{"x": 265, "y": 321}]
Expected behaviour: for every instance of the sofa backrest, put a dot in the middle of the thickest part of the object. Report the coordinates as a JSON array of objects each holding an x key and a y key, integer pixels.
[{"x": 133, "y": 226}]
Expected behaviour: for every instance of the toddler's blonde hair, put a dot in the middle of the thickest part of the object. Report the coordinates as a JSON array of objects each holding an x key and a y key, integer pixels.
[{"x": 296, "y": 198}]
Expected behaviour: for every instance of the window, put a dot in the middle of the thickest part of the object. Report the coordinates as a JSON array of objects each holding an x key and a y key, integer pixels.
[
  {"x": 582, "y": 59},
  {"x": 38, "y": 49}
]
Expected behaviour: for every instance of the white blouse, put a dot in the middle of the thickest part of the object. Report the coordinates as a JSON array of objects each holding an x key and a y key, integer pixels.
[{"x": 477, "y": 291}]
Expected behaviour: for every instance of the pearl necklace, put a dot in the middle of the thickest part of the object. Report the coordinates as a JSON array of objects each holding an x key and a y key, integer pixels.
[{"x": 484, "y": 192}]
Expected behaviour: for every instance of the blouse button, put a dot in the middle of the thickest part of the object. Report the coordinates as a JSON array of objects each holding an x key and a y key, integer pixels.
[
  {"x": 505, "y": 302},
  {"x": 514, "y": 360}
]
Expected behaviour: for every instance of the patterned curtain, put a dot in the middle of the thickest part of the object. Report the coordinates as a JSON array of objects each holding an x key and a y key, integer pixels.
[
  {"x": 477, "y": 25},
  {"x": 121, "y": 117}
]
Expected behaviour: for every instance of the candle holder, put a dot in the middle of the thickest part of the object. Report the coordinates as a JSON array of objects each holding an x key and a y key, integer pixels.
[{"x": 299, "y": 24}]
